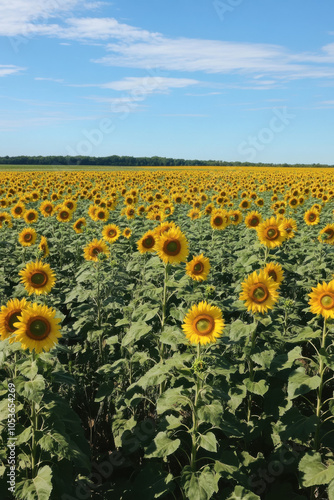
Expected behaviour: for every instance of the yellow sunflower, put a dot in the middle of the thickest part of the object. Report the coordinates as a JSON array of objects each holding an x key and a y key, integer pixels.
[
  {"x": 43, "y": 247},
  {"x": 235, "y": 217},
  {"x": 219, "y": 219},
  {"x": 275, "y": 272},
  {"x": 147, "y": 242},
  {"x": 9, "y": 315},
  {"x": 127, "y": 233},
  {"x": 198, "y": 268},
  {"x": 311, "y": 217},
  {"x": 290, "y": 227},
  {"x": 327, "y": 235},
  {"x": 64, "y": 214},
  {"x": 172, "y": 246},
  {"x": 94, "y": 248},
  {"x": 46, "y": 208},
  {"x": 271, "y": 232},
  {"x": 27, "y": 237},
  {"x": 322, "y": 299},
  {"x": 30, "y": 216},
  {"x": 253, "y": 219},
  {"x": 111, "y": 233},
  {"x": 37, "y": 328},
  {"x": 203, "y": 323},
  {"x": 37, "y": 278},
  {"x": 79, "y": 225},
  {"x": 18, "y": 210},
  {"x": 5, "y": 219},
  {"x": 101, "y": 215},
  {"x": 259, "y": 291}
]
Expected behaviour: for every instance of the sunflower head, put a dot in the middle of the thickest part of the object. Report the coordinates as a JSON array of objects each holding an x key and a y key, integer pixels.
[
  {"x": 27, "y": 237},
  {"x": 37, "y": 328},
  {"x": 253, "y": 219},
  {"x": 147, "y": 242},
  {"x": 203, "y": 324},
  {"x": 271, "y": 232},
  {"x": 322, "y": 299},
  {"x": 327, "y": 235},
  {"x": 198, "y": 268},
  {"x": 9, "y": 315},
  {"x": 172, "y": 246},
  {"x": 37, "y": 278},
  {"x": 275, "y": 272},
  {"x": 259, "y": 291},
  {"x": 43, "y": 247},
  {"x": 93, "y": 250},
  {"x": 111, "y": 233}
]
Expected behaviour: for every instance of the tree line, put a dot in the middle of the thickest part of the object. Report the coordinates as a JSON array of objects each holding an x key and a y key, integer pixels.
[{"x": 132, "y": 161}]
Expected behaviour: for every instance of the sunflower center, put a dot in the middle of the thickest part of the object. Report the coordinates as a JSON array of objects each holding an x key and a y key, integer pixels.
[
  {"x": 27, "y": 237},
  {"x": 18, "y": 210},
  {"x": 293, "y": 202},
  {"x": 101, "y": 215},
  {"x": 31, "y": 216},
  {"x": 39, "y": 279},
  {"x": 12, "y": 318},
  {"x": 48, "y": 209},
  {"x": 329, "y": 233},
  {"x": 198, "y": 268},
  {"x": 204, "y": 324},
  {"x": 112, "y": 233},
  {"x": 260, "y": 293},
  {"x": 148, "y": 242},
  {"x": 38, "y": 328},
  {"x": 79, "y": 225},
  {"x": 218, "y": 221},
  {"x": 172, "y": 247},
  {"x": 69, "y": 205},
  {"x": 64, "y": 214},
  {"x": 272, "y": 233},
  {"x": 312, "y": 217},
  {"x": 254, "y": 221},
  {"x": 96, "y": 251},
  {"x": 327, "y": 301}
]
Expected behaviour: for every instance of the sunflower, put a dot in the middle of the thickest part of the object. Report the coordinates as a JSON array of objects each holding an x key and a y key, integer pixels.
[
  {"x": 79, "y": 225},
  {"x": 290, "y": 227},
  {"x": 271, "y": 232},
  {"x": 94, "y": 248},
  {"x": 9, "y": 315},
  {"x": 203, "y": 324},
  {"x": 101, "y": 215},
  {"x": 327, "y": 235},
  {"x": 127, "y": 233},
  {"x": 5, "y": 219},
  {"x": 37, "y": 278},
  {"x": 64, "y": 214},
  {"x": 245, "y": 204},
  {"x": 322, "y": 299},
  {"x": 46, "y": 208},
  {"x": 111, "y": 233},
  {"x": 27, "y": 237},
  {"x": 30, "y": 216},
  {"x": 311, "y": 217},
  {"x": 194, "y": 213},
  {"x": 130, "y": 212},
  {"x": 275, "y": 272},
  {"x": 147, "y": 242},
  {"x": 235, "y": 217},
  {"x": 18, "y": 210},
  {"x": 37, "y": 328},
  {"x": 198, "y": 268},
  {"x": 43, "y": 247},
  {"x": 259, "y": 291},
  {"x": 219, "y": 219},
  {"x": 172, "y": 246},
  {"x": 253, "y": 219}
]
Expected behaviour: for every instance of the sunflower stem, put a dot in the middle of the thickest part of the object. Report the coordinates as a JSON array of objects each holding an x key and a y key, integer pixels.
[
  {"x": 194, "y": 430},
  {"x": 163, "y": 318},
  {"x": 34, "y": 424},
  {"x": 321, "y": 372},
  {"x": 251, "y": 369},
  {"x": 98, "y": 305}
]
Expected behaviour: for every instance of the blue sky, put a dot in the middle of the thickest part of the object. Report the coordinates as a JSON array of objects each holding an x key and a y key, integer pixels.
[{"x": 231, "y": 80}]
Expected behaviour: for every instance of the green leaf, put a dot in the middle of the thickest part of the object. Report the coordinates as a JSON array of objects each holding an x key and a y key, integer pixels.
[
  {"x": 29, "y": 369},
  {"x": 171, "y": 400},
  {"x": 38, "y": 488},
  {"x": 136, "y": 331},
  {"x": 240, "y": 330},
  {"x": 162, "y": 446},
  {"x": 34, "y": 389},
  {"x": 208, "y": 441},
  {"x": 199, "y": 486},
  {"x": 259, "y": 387},
  {"x": 300, "y": 383},
  {"x": 314, "y": 472},
  {"x": 211, "y": 413},
  {"x": 24, "y": 436},
  {"x": 330, "y": 490},
  {"x": 240, "y": 493}
]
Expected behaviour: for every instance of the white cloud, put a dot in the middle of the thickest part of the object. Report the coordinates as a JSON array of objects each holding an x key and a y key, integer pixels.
[
  {"x": 56, "y": 80},
  {"x": 9, "y": 69}
]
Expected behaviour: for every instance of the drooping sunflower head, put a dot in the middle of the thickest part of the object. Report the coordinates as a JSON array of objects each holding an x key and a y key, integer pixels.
[
  {"x": 5, "y": 219},
  {"x": 172, "y": 246},
  {"x": 322, "y": 299},
  {"x": 147, "y": 242},
  {"x": 94, "y": 249},
  {"x": 203, "y": 324},
  {"x": 37, "y": 328},
  {"x": 259, "y": 291},
  {"x": 43, "y": 247},
  {"x": 37, "y": 278},
  {"x": 271, "y": 232},
  {"x": 27, "y": 237},
  {"x": 111, "y": 233},
  {"x": 275, "y": 272},
  {"x": 327, "y": 235},
  {"x": 9, "y": 315},
  {"x": 253, "y": 219},
  {"x": 198, "y": 268},
  {"x": 79, "y": 225}
]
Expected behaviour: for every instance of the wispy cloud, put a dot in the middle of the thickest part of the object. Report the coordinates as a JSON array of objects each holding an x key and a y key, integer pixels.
[
  {"x": 9, "y": 69},
  {"x": 56, "y": 80}
]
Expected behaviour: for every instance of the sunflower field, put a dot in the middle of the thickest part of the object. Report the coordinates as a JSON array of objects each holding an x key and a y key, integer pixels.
[{"x": 167, "y": 334}]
